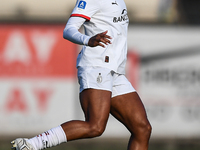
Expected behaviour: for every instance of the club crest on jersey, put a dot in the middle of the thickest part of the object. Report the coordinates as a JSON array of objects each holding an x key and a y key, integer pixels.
[{"x": 81, "y": 5}]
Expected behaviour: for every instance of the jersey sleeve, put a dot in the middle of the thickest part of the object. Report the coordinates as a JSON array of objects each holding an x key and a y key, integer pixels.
[
  {"x": 85, "y": 9},
  {"x": 71, "y": 32}
]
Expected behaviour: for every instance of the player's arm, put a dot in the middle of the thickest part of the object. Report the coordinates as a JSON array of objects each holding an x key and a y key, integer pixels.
[{"x": 72, "y": 34}]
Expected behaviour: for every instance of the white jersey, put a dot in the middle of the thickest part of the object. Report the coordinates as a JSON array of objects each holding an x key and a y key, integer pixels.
[{"x": 104, "y": 15}]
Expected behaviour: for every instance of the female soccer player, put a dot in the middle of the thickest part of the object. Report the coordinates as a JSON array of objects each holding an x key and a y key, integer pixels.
[{"x": 104, "y": 88}]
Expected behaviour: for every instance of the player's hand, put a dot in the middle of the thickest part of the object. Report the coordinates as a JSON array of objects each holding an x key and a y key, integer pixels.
[{"x": 99, "y": 40}]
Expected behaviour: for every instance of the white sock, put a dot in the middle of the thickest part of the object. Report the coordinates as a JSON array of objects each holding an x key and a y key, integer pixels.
[{"x": 49, "y": 138}]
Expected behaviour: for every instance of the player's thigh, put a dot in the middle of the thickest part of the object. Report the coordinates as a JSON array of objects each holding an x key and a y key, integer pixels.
[
  {"x": 129, "y": 109},
  {"x": 95, "y": 92},
  {"x": 96, "y": 105}
]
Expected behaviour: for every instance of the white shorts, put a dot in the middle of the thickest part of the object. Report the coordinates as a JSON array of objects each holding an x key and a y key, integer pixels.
[{"x": 103, "y": 79}]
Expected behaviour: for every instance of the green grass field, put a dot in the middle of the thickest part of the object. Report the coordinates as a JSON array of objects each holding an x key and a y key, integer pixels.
[{"x": 117, "y": 144}]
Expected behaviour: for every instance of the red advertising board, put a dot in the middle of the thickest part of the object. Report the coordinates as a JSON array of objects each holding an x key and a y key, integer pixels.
[
  {"x": 36, "y": 51},
  {"x": 37, "y": 77}
]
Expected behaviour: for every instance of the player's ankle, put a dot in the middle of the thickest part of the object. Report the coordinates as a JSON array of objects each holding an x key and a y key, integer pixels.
[{"x": 49, "y": 138}]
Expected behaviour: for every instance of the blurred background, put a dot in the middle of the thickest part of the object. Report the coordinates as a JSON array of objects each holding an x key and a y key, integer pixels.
[{"x": 39, "y": 88}]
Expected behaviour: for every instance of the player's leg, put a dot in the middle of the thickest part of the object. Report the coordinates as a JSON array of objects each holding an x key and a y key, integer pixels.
[
  {"x": 96, "y": 107},
  {"x": 129, "y": 110},
  {"x": 94, "y": 102}
]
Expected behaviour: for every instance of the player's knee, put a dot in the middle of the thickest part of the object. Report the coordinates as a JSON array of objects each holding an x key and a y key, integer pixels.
[
  {"x": 143, "y": 129},
  {"x": 147, "y": 129},
  {"x": 96, "y": 130}
]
